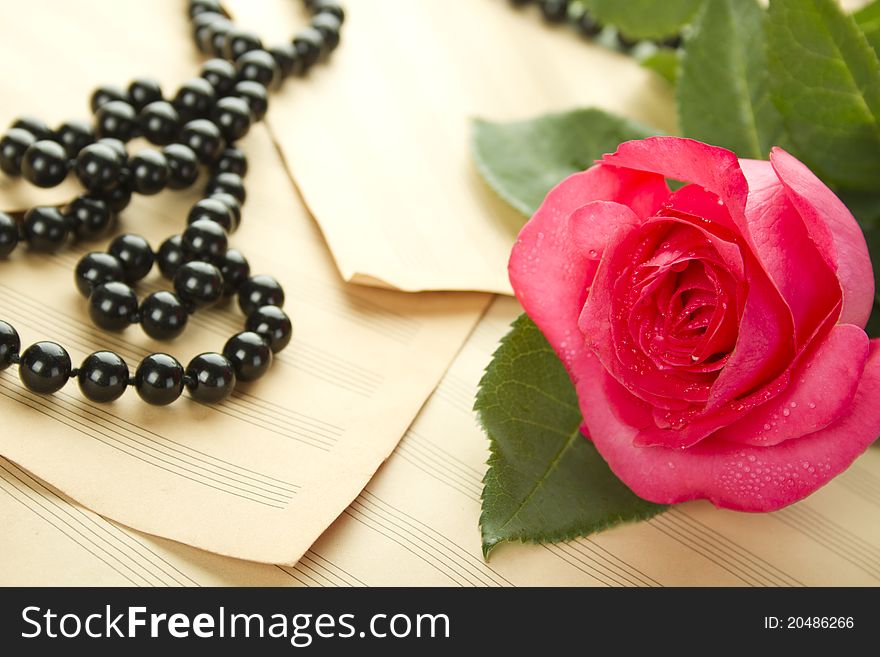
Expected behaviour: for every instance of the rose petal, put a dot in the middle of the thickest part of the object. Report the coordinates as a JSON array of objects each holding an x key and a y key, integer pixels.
[{"x": 838, "y": 237}]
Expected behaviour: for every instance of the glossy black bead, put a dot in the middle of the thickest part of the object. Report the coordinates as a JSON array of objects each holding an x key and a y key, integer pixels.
[
  {"x": 329, "y": 26},
  {"x": 13, "y": 146},
  {"x": 227, "y": 183},
  {"x": 221, "y": 75},
  {"x": 117, "y": 198},
  {"x": 258, "y": 66},
  {"x": 233, "y": 206},
  {"x": 149, "y": 172},
  {"x": 96, "y": 268},
  {"x": 204, "y": 138},
  {"x": 118, "y": 147},
  {"x": 554, "y": 11},
  {"x": 134, "y": 254},
  {"x": 98, "y": 167},
  {"x": 163, "y": 316},
  {"x": 45, "y": 229},
  {"x": 88, "y": 217},
  {"x": 170, "y": 256},
  {"x": 235, "y": 270},
  {"x": 198, "y": 284},
  {"x": 232, "y": 160},
  {"x": 309, "y": 44},
  {"x": 210, "y": 378},
  {"x": 194, "y": 99},
  {"x": 74, "y": 136},
  {"x": 105, "y": 94},
  {"x": 286, "y": 57},
  {"x": 204, "y": 239},
  {"x": 328, "y": 7},
  {"x": 103, "y": 377},
  {"x": 116, "y": 119},
  {"x": 159, "y": 379},
  {"x": 255, "y": 95},
  {"x": 259, "y": 291},
  {"x": 37, "y": 127},
  {"x": 201, "y": 25},
  {"x": 10, "y": 345},
  {"x": 44, "y": 367},
  {"x": 113, "y": 306},
  {"x": 8, "y": 234},
  {"x": 238, "y": 42},
  {"x": 183, "y": 166},
  {"x": 233, "y": 116},
  {"x": 213, "y": 210},
  {"x": 213, "y": 37},
  {"x": 249, "y": 354},
  {"x": 142, "y": 92},
  {"x": 198, "y": 7},
  {"x": 272, "y": 324},
  {"x": 44, "y": 163},
  {"x": 159, "y": 122}
]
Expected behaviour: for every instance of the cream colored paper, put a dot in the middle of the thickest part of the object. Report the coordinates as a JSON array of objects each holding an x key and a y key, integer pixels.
[
  {"x": 262, "y": 475},
  {"x": 416, "y": 523},
  {"x": 378, "y": 140}
]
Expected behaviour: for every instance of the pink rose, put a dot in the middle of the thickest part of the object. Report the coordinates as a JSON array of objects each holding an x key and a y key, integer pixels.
[{"x": 714, "y": 334}]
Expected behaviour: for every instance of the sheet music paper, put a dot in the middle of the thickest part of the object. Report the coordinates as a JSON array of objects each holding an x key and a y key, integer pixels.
[
  {"x": 262, "y": 475},
  {"x": 416, "y": 523}
]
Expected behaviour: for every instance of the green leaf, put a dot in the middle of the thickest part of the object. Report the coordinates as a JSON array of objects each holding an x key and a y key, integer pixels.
[
  {"x": 522, "y": 161},
  {"x": 825, "y": 81},
  {"x": 868, "y": 18},
  {"x": 545, "y": 482},
  {"x": 664, "y": 62},
  {"x": 723, "y": 94},
  {"x": 644, "y": 19}
]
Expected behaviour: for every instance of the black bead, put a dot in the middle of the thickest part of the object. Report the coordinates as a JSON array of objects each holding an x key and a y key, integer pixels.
[
  {"x": 142, "y": 92},
  {"x": 13, "y": 146},
  {"x": 37, "y": 127},
  {"x": 213, "y": 37},
  {"x": 286, "y": 58},
  {"x": 227, "y": 183},
  {"x": 113, "y": 306},
  {"x": 214, "y": 210},
  {"x": 88, "y": 217},
  {"x": 103, "y": 377},
  {"x": 235, "y": 270},
  {"x": 98, "y": 167},
  {"x": 328, "y": 7},
  {"x": 45, "y": 229},
  {"x": 103, "y": 95},
  {"x": 170, "y": 256},
  {"x": 8, "y": 234},
  {"x": 587, "y": 25},
  {"x": 221, "y": 75},
  {"x": 232, "y": 160},
  {"x": 10, "y": 345},
  {"x": 308, "y": 43},
  {"x": 134, "y": 254},
  {"x": 117, "y": 198},
  {"x": 258, "y": 66},
  {"x": 95, "y": 269},
  {"x": 118, "y": 147},
  {"x": 149, "y": 172},
  {"x": 183, "y": 166},
  {"x": 159, "y": 379},
  {"x": 44, "y": 163},
  {"x": 238, "y": 42},
  {"x": 259, "y": 291},
  {"x": 204, "y": 138},
  {"x": 198, "y": 284},
  {"x": 205, "y": 240},
  {"x": 272, "y": 324},
  {"x": 74, "y": 136},
  {"x": 233, "y": 206},
  {"x": 44, "y": 367},
  {"x": 249, "y": 354},
  {"x": 159, "y": 122},
  {"x": 210, "y": 378},
  {"x": 255, "y": 95},
  {"x": 233, "y": 116},
  {"x": 194, "y": 99},
  {"x": 328, "y": 25},
  {"x": 554, "y": 11},
  {"x": 163, "y": 316},
  {"x": 116, "y": 119},
  {"x": 197, "y": 7},
  {"x": 201, "y": 25}
]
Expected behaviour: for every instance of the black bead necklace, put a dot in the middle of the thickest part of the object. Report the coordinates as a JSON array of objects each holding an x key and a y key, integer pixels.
[{"x": 197, "y": 127}]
